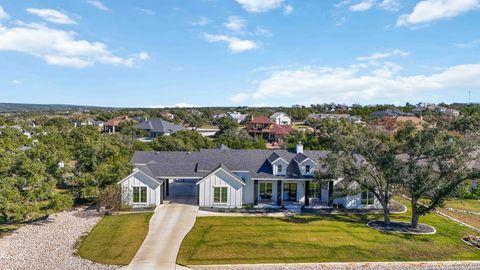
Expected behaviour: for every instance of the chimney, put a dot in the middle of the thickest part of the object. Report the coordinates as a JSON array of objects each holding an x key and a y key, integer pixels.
[{"x": 299, "y": 148}]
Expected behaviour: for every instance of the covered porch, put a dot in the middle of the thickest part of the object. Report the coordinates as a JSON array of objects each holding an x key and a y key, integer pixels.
[{"x": 289, "y": 194}]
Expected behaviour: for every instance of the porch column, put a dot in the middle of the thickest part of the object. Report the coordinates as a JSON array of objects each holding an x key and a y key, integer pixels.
[
  {"x": 307, "y": 192},
  {"x": 279, "y": 192},
  {"x": 167, "y": 193},
  {"x": 162, "y": 187},
  {"x": 255, "y": 192}
]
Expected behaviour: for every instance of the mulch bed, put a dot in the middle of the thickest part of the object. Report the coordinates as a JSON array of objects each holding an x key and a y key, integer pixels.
[
  {"x": 401, "y": 227},
  {"x": 472, "y": 240}
]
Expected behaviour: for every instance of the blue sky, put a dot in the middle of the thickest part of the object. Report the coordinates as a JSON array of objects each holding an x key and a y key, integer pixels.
[{"x": 151, "y": 53}]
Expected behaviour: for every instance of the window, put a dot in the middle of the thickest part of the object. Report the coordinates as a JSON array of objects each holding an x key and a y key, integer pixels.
[
  {"x": 307, "y": 168},
  {"x": 368, "y": 198},
  {"x": 220, "y": 194},
  {"x": 279, "y": 168},
  {"x": 139, "y": 194},
  {"x": 315, "y": 190},
  {"x": 266, "y": 191}
]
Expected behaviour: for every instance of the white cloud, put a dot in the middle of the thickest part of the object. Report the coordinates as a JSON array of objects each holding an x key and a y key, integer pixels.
[
  {"x": 235, "y": 23},
  {"x": 259, "y": 5},
  {"x": 58, "y": 47},
  {"x": 342, "y": 3},
  {"x": 240, "y": 97},
  {"x": 390, "y": 5},
  {"x": 51, "y": 15},
  {"x": 287, "y": 9},
  {"x": 16, "y": 82},
  {"x": 427, "y": 11},
  {"x": 98, "y": 4},
  {"x": 3, "y": 14},
  {"x": 364, "y": 5},
  {"x": 146, "y": 11},
  {"x": 358, "y": 84},
  {"x": 235, "y": 44},
  {"x": 201, "y": 22},
  {"x": 264, "y": 32},
  {"x": 143, "y": 56},
  {"x": 467, "y": 45},
  {"x": 378, "y": 56}
]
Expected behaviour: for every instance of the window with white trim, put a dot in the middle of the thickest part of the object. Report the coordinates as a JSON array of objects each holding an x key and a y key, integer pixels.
[
  {"x": 266, "y": 191},
  {"x": 279, "y": 168},
  {"x": 139, "y": 194},
  {"x": 368, "y": 198},
  {"x": 220, "y": 194},
  {"x": 307, "y": 168}
]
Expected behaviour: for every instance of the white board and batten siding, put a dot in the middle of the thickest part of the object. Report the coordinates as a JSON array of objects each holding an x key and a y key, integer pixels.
[
  {"x": 139, "y": 179},
  {"x": 220, "y": 179}
]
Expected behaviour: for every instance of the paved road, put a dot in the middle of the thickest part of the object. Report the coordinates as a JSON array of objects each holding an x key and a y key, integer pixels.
[{"x": 168, "y": 226}]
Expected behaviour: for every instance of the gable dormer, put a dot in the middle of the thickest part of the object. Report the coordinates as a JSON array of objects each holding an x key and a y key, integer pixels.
[
  {"x": 306, "y": 165},
  {"x": 279, "y": 165}
]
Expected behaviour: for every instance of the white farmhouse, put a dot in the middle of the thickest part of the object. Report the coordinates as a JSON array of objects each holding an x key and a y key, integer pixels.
[
  {"x": 229, "y": 178},
  {"x": 281, "y": 118}
]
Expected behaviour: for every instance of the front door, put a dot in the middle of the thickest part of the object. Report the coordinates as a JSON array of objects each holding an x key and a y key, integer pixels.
[{"x": 290, "y": 192}]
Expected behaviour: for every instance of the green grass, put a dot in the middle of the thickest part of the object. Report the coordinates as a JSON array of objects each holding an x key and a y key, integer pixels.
[
  {"x": 308, "y": 238},
  {"x": 115, "y": 239},
  {"x": 469, "y": 205},
  {"x": 6, "y": 229}
]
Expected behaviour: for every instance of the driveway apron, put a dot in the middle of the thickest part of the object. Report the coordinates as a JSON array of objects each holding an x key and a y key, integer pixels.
[{"x": 168, "y": 226}]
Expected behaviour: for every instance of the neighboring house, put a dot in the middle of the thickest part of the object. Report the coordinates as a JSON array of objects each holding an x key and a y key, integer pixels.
[
  {"x": 206, "y": 131},
  {"x": 113, "y": 125},
  {"x": 281, "y": 118},
  {"x": 19, "y": 128},
  {"x": 239, "y": 117},
  {"x": 476, "y": 166},
  {"x": 391, "y": 125},
  {"x": 389, "y": 113},
  {"x": 98, "y": 124},
  {"x": 236, "y": 116},
  {"x": 228, "y": 178},
  {"x": 263, "y": 127},
  {"x": 338, "y": 117},
  {"x": 449, "y": 111},
  {"x": 90, "y": 122},
  {"x": 167, "y": 115},
  {"x": 421, "y": 107},
  {"x": 159, "y": 127}
]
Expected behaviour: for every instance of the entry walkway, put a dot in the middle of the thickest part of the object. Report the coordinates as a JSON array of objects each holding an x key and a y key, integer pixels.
[{"x": 168, "y": 226}]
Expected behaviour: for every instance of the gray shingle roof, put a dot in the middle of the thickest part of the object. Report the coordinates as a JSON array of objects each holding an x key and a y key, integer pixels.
[
  {"x": 159, "y": 125},
  {"x": 201, "y": 163},
  {"x": 277, "y": 114},
  {"x": 390, "y": 113}
]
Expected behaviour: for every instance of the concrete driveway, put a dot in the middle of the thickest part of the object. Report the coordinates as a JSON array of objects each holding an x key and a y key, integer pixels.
[{"x": 168, "y": 226}]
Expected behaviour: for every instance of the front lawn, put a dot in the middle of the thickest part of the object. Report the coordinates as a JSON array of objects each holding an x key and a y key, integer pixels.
[
  {"x": 309, "y": 238},
  {"x": 469, "y": 205},
  {"x": 115, "y": 239}
]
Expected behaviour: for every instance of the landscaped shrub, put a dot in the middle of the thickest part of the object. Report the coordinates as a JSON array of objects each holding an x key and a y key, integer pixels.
[
  {"x": 60, "y": 202},
  {"x": 111, "y": 198},
  {"x": 473, "y": 240}
]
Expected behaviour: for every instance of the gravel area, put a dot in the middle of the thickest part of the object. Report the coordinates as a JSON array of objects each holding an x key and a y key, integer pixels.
[
  {"x": 350, "y": 266},
  {"x": 49, "y": 243}
]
